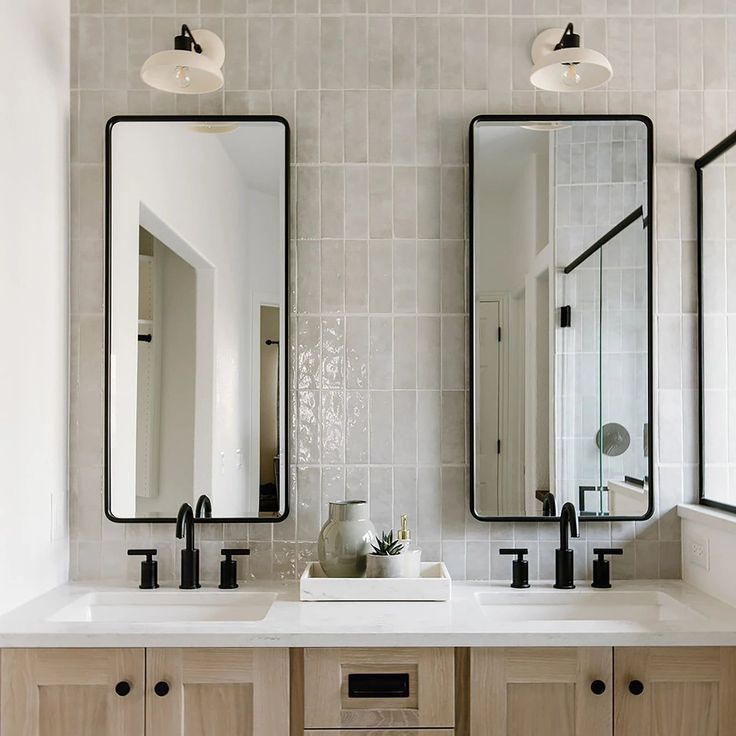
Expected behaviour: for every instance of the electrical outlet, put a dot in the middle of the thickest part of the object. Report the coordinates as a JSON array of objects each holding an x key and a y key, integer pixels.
[{"x": 697, "y": 552}]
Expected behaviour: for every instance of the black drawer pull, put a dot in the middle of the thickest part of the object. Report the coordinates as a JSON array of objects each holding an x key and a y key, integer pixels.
[
  {"x": 122, "y": 688},
  {"x": 161, "y": 688},
  {"x": 379, "y": 685}
]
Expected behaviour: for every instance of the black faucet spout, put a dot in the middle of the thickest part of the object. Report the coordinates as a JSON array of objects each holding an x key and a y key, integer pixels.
[
  {"x": 203, "y": 509},
  {"x": 564, "y": 562},
  {"x": 568, "y": 520},
  {"x": 185, "y": 525},
  {"x": 189, "y": 555}
]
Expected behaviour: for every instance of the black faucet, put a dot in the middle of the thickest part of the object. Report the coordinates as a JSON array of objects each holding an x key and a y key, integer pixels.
[
  {"x": 203, "y": 509},
  {"x": 189, "y": 555},
  {"x": 564, "y": 570}
]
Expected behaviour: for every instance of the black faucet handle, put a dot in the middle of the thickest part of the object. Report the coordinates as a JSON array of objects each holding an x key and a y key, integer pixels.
[
  {"x": 149, "y": 567},
  {"x": 602, "y": 567},
  {"x": 518, "y": 551},
  {"x": 229, "y": 567},
  {"x": 520, "y": 566}
]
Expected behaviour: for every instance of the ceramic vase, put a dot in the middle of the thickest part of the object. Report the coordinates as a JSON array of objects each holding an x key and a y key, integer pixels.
[{"x": 345, "y": 540}]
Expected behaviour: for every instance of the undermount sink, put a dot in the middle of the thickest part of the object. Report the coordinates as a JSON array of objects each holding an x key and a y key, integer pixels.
[
  {"x": 642, "y": 607},
  {"x": 166, "y": 607}
]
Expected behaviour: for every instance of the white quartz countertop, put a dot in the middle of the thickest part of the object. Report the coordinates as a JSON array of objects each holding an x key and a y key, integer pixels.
[{"x": 463, "y": 621}]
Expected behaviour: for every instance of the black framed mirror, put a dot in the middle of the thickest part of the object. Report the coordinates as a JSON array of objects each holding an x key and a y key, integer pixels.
[
  {"x": 197, "y": 300},
  {"x": 561, "y": 316},
  {"x": 715, "y": 173}
]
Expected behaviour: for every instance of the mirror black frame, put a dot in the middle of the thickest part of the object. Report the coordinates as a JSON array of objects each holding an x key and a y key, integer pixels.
[
  {"x": 650, "y": 306},
  {"x": 108, "y": 281},
  {"x": 708, "y": 157}
]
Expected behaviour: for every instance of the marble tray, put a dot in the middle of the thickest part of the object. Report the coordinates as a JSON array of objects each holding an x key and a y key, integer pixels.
[{"x": 434, "y": 584}]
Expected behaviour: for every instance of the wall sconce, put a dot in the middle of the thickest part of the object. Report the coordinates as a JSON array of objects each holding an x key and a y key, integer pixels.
[
  {"x": 562, "y": 65},
  {"x": 193, "y": 67}
]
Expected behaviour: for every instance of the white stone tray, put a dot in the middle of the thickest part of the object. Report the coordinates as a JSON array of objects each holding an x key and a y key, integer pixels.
[{"x": 434, "y": 584}]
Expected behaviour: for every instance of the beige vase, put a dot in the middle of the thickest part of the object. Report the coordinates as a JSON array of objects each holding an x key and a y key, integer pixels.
[{"x": 345, "y": 540}]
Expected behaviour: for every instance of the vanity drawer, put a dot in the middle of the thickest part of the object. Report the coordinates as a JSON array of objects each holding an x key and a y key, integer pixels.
[
  {"x": 385, "y": 732},
  {"x": 379, "y": 688}
]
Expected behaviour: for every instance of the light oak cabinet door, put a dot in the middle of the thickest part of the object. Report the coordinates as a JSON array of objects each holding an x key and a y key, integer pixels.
[
  {"x": 217, "y": 692},
  {"x": 72, "y": 692},
  {"x": 546, "y": 691},
  {"x": 379, "y": 688},
  {"x": 675, "y": 691}
]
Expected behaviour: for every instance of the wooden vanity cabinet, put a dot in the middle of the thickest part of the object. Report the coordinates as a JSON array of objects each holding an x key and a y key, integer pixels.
[
  {"x": 72, "y": 692},
  {"x": 217, "y": 692},
  {"x": 529, "y": 692},
  {"x": 554, "y": 691},
  {"x": 656, "y": 691},
  {"x": 132, "y": 692},
  {"x": 675, "y": 691}
]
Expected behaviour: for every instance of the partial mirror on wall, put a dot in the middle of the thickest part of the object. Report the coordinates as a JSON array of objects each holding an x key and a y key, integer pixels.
[
  {"x": 716, "y": 221},
  {"x": 196, "y": 310},
  {"x": 561, "y": 257}
]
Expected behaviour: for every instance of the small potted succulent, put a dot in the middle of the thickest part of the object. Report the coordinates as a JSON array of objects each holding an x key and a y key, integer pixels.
[{"x": 386, "y": 560}]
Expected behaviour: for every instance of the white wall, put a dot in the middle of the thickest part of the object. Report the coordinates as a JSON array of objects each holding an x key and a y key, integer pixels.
[{"x": 34, "y": 150}]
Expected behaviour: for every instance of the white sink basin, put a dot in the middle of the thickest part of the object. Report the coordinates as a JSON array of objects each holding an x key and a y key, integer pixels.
[
  {"x": 156, "y": 606},
  {"x": 643, "y": 607}
]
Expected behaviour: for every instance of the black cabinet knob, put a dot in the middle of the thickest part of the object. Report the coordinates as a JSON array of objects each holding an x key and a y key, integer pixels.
[
  {"x": 636, "y": 687},
  {"x": 598, "y": 687},
  {"x": 161, "y": 688},
  {"x": 122, "y": 688}
]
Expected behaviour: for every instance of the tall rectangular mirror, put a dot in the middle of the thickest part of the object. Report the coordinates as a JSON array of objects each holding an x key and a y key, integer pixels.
[
  {"x": 561, "y": 344},
  {"x": 196, "y": 299}
]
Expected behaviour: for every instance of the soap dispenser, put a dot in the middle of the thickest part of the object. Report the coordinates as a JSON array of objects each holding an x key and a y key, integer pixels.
[{"x": 413, "y": 556}]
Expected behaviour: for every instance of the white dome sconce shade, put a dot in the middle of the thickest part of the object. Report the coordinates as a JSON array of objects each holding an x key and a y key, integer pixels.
[
  {"x": 193, "y": 67},
  {"x": 562, "y": 65}
]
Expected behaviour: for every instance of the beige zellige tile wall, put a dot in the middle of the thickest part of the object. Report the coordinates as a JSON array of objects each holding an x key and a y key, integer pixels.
[{"x": 379, "y": 94}]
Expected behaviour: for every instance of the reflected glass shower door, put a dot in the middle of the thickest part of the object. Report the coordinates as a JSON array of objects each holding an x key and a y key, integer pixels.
[
  {"x": 578, "y": 383},
  {"x": 622, "y": 440},
  {"x": 603, "y": 378}
]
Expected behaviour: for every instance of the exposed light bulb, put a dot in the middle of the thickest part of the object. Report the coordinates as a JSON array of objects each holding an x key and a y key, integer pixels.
[
  {"x": 182, "y": 76},
  {"x": 570, "y": 77}
]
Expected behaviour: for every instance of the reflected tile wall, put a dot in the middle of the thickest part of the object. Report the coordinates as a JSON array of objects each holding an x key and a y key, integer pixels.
[{"x": 379, "y": 94}]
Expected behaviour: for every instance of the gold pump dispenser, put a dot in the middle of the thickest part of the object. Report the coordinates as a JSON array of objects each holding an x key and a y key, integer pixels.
[{"x": 404, "y": 533}]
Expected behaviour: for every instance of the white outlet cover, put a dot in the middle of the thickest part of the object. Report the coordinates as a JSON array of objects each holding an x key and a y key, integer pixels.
[{"x": 697, "y": 552}]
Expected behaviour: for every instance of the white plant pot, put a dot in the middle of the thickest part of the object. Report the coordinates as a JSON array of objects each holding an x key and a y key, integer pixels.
[{"x": 386, "y": 566}]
